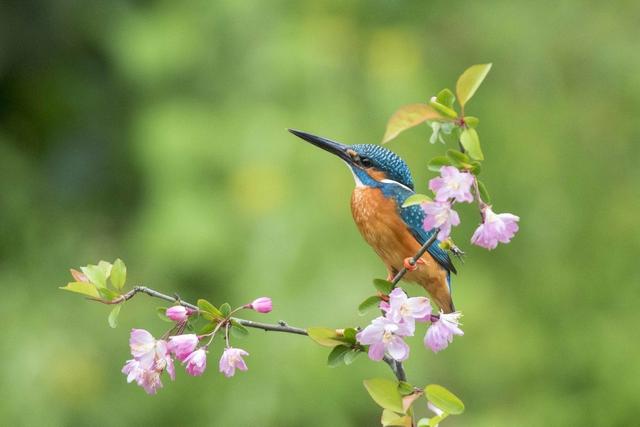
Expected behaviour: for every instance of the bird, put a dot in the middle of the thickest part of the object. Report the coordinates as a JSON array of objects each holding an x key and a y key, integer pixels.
[{"x": 383, "y": 182}]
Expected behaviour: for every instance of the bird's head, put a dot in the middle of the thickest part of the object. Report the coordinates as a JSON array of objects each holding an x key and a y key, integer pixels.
[{"x": 368, "y": 162}]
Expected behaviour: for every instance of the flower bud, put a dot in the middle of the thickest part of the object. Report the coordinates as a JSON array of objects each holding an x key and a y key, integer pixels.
[
  {"x": 262, "y": 305},
  {"x": 177, "y": 313}
]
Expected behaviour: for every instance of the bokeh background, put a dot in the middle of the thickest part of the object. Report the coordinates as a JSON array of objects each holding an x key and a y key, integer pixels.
[{"x": 154, "y": 131}]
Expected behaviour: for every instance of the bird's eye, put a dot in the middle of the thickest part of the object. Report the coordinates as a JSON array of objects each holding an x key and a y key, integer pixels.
[{"x": 366, "y": 162}]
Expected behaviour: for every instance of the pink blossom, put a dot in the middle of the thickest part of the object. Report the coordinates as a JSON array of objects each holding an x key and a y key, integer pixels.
[
  {"x": 177, "y": 313},
  {"x": 196, "y": 362},
  {"x": 163, "y": 359},
  {"x": 150, "y": 358},
  {"x": 132, "y": 370},
  {"x": 385, "y": 335},
  {"x": 495, "y": 228},
  {"x": 452, "y": 184},
  {"x": 149, "y": 379},
  {"x": 407, "y": 310},
  {"x": 183, "y": 345},
  {"x": 440, "y": 333},
  {"x": 262, "y": 305},
  {"x": 143, "y": 346},
  {"x": 440, "y": 215},
  {"x": 232, "y": 359}
]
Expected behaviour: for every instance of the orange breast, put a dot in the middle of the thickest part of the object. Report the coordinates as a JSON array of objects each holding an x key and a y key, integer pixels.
[{"x": 381, "y": 226}]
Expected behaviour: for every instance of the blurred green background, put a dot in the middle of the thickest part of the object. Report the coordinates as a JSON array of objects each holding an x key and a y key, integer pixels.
[{"x": 154, "y": 131}]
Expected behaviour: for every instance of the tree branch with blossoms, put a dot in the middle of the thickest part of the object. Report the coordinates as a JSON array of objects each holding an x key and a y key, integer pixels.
[{"x": 194, "y": 327}]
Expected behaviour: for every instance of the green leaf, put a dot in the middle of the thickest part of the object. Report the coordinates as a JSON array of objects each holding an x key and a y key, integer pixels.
[
  {"x": 162, "y": 314},
  {"x": 368, "y": 304},
  {"x": 446, "y": 98},
  {"x": 336, "y": 357},
  {"x": 238, "y": 331},
  {"x": 405, "y": 388},
  {"x": 471, "y": 143},
  {"x": 385, "y": 393},
  {"x": 390, "y": 418},
  {"x": 416, "y": 199},
  {"x": 483, "y": 192},
  {"x": 471, "y": 121},
  {"x": 350, "y": 335},
  {"x": 444, "y": 399},
  {"x": 118, "y": 274},
  {"x": 207, "y": 328},
  {"x": 325, "y": 337},
  {"x": 225, "y": 309},
  {"x": 443, "y": 109},
  {"x": 208, "y": 311},
  {"x": 423, "y": 422},
  {"x": 476, "y": 168},
  {"x": 383, "y": 286},
  {"x": 470, "y": 81},
  {"x": 83, "y": 288},
  {"x": 105, "y": 267},
  {"x": 351, "y": 356},
  {"x": 95, "y": 274},
  {"x": 108, "y": 294},
  {"x": 437, "y": 162},
  {"x": 113, "y": 316},
  {"x": 458, "y": 158},
  {"x": 407, "y": 117}
]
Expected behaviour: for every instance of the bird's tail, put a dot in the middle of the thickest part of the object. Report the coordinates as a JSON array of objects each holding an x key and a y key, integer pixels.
[{"x": 440, "y": 291}]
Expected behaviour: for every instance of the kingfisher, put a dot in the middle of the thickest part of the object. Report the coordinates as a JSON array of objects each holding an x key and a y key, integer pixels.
[{"x": 382, "y": 184}]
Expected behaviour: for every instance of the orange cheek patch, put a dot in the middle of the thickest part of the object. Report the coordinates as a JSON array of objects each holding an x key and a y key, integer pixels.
[{"x": 376, "y": 174}]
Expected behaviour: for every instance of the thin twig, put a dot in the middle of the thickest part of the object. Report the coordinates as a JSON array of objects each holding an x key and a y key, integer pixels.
[
  {"x": 247, "y": 323},
  {"x": 395, "y": 366},
  {"x": 414, "y": 259}
]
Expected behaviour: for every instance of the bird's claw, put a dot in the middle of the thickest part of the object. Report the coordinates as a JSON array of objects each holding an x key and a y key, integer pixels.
[{"x": 411, "y": 265}]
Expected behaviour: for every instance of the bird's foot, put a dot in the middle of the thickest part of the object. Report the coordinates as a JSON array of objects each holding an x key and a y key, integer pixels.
[{"x": 411, "y": 265}]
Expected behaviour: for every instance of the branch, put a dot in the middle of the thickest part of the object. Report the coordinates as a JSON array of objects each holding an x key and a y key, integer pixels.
[
  {"x": 396, "y": 367},
  {"x": 280, "y": 327}
]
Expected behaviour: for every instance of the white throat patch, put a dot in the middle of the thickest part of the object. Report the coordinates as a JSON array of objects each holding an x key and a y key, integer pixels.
[
  {"x": 390, "y": 181},
  {"x": 359, "y": 183}
]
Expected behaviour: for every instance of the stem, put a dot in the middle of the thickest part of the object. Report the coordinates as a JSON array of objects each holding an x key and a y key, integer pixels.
[
  {"x": 481, "y": 203},
  {"x": 396, "y": 368}
]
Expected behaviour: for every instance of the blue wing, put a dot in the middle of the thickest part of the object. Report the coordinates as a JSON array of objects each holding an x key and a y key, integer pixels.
[{"x": 413, "y": 217}]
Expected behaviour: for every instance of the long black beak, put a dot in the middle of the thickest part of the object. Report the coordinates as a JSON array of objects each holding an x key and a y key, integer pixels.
[{"x": 333, "y": 147}]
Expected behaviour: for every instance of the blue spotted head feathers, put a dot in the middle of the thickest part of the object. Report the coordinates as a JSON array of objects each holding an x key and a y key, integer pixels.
[
  {"x": 369, "y": 163},
  {"x": 386, "y": 161}
]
